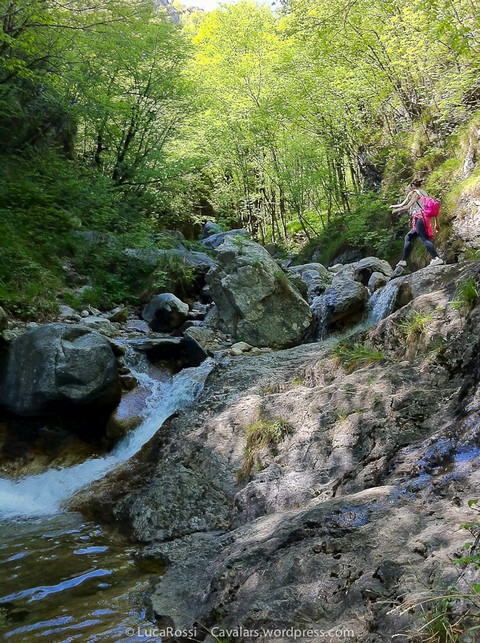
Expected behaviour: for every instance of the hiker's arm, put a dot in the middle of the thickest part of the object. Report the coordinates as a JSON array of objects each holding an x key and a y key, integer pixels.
[
  {"x": 406, "y": 205},
  {"x": 400, "y": 205}
]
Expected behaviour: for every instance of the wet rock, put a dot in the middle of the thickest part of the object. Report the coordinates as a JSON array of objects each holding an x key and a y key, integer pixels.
[
  {"x": 128, "y": 414},
  {"x": 343, "y": 300},
  {"x": 58, "y": 368},
  {"x": 165, "y": 312},
  {"x": 119, "y": 315}
]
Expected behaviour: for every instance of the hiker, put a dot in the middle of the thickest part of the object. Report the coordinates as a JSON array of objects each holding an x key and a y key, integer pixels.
[{"x": 421, "y": 226}]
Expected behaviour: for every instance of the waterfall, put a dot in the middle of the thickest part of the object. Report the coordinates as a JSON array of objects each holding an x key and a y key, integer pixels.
[
  {"x": 43, "y": 494},
  {"x": 381, "y": 303}
]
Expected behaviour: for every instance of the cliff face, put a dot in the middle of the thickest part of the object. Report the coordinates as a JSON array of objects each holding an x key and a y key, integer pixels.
[{"x": 309, "y": 491}]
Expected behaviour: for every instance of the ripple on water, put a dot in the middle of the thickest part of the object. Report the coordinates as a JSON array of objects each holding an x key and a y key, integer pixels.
[{"x": 64, "y": 579}]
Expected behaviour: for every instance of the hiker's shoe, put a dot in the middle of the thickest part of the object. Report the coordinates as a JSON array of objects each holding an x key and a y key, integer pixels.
[
  {"x": 399, "y": 269},
  {"x": 437, "y": 261}
]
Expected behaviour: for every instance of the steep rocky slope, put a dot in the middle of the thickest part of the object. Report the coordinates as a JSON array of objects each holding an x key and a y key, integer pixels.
[{"x": 305, "y": 491}]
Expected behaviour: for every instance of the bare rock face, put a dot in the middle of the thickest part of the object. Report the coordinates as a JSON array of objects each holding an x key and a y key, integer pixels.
[
  {"x": 57, "y": 368},
  {"x": 350, "y": 510},
  {"x": 256, "y": 302}
]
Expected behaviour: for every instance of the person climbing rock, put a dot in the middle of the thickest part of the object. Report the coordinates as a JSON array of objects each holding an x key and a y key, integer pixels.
[{"x": 421, "y": 226}]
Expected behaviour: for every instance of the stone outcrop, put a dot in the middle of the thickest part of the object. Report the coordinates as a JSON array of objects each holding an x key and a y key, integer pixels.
[
  {"x": 345, "y": 519},
  {"x": 343, "y": 301},
  {"x": 176, "y": 352},
  {"x": 59, "y": 368},
  {"x": 255, "y": 300}
]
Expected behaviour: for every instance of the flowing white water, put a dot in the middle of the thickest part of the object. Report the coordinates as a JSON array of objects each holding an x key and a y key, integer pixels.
[
  {"x": 381, "y": 303},
  {"x": 44, "y": 494}
]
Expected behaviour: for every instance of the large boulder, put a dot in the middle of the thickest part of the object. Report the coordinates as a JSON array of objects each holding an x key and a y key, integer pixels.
[
  {"x": 175, "y": 352},
  {"x": 165, "y": 312},
  {"x": 362, "y": 270},
  {"x": 58, "y": 368},
  {"x": 343, "y": 301},
  {"x": 255, "y": 300},
  {"x": 210, "y": 228}
]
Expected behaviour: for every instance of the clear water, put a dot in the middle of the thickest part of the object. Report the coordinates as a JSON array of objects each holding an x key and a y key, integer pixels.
[{"x": 63, "y": 578}]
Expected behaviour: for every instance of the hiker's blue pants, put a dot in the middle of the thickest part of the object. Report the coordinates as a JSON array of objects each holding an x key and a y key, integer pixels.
[{"x": 418, "y": 231}]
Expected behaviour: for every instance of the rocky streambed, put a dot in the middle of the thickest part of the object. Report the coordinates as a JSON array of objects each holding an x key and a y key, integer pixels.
[
  {"x": 317, "y": 488},
  {"x": 313, "y": 489}
]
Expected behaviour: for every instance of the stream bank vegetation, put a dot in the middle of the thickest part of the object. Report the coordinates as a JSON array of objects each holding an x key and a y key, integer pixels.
[{"x": 285, "y": 121}]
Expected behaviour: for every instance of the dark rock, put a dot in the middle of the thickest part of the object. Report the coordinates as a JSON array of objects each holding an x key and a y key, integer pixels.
[
  {"x": 58, "y": 368},
  {"x": 165, "y": 312},
  {"x": 177, "y": 352},
  {"x": 210, "y": 228}
]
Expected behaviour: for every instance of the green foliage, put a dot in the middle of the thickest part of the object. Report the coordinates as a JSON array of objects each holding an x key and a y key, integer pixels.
[
  {"x": 415, "y": 324},
  {"x": 466, "y": 295},
  {"x": 174, "y": 274},
  {"x": 356, "y": 355},
  {"x": 260, "y": 434}
]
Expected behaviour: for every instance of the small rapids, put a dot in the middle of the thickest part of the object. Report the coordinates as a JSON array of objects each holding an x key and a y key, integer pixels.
[
  {"x": 44, "y": 494},
  {"x": 64, "y": 578},
  {"x": 381, "y": 303}
]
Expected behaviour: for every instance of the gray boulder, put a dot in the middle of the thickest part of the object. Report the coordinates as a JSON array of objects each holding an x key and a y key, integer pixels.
[
  {"x": 314, "y": 276},
  {"x": 362, "y": 270},
  {"x": 210, "y": 228},
  {"x": 255, "y": 300},
  {"x": 344, "y": 300},
  {"x": 3, "y": 320},
  {"x": 165, "y": 312},
  {"x": 215, "y": 240},
  {"x": 58, "y": 368},
  {"x": 100, "y": 324}
]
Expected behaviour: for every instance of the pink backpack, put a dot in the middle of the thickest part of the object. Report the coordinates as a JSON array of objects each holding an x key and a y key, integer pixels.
[{"x": 430, "y": 206}]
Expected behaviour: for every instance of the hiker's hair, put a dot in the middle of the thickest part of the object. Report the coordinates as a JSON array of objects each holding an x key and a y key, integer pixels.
[{"x": 417, "y": 183}]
